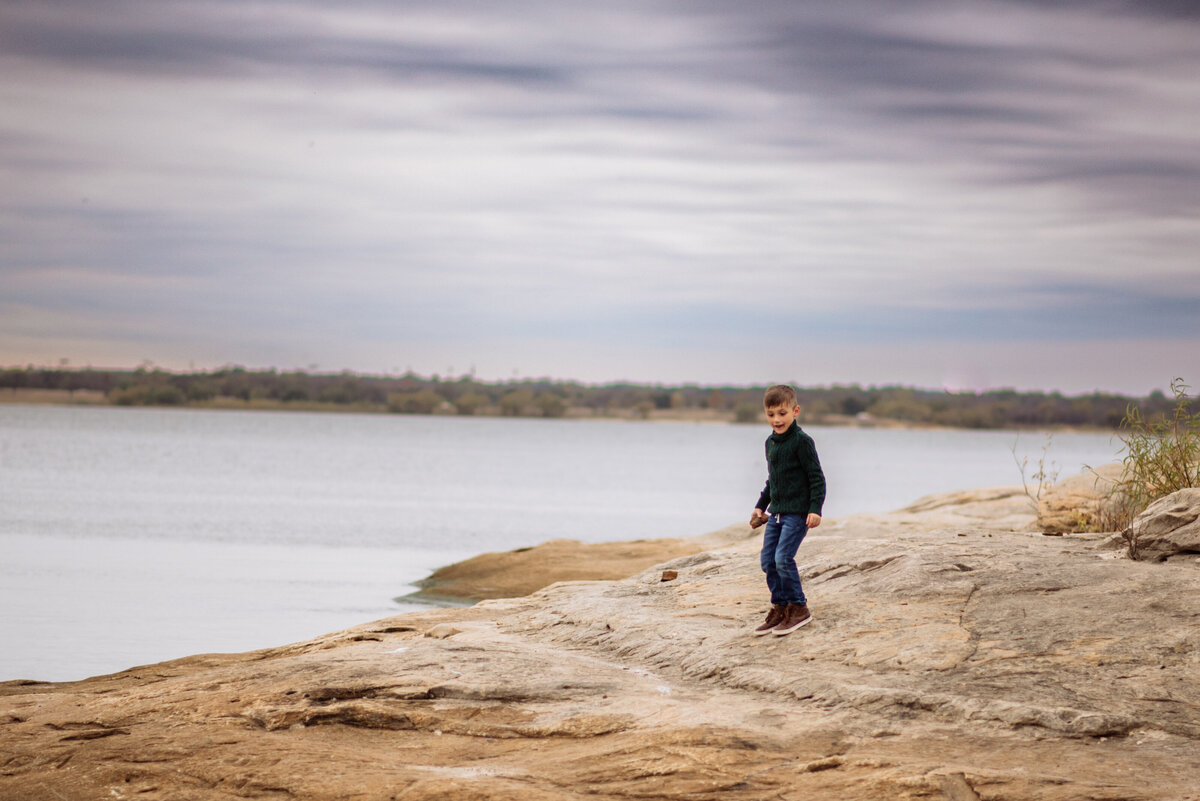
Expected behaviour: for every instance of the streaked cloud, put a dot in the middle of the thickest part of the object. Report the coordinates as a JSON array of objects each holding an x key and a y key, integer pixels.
[{"x": 630, "y": 190}]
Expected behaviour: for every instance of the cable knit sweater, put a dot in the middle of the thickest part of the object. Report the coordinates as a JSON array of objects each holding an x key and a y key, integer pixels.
[{"x": 795, "y": 481}]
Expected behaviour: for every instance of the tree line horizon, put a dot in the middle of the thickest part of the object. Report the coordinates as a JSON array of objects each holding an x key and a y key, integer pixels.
[{"x": 239, "y": 387}]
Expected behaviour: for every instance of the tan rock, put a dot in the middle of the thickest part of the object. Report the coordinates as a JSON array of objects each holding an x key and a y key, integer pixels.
[
  {"x": 1084, "y": 502},
  {"x": 993, "y": 509},
  {"x": 512, "y": 573},
  {"x": 943, "y": 662},
  {"x": 1167, "y": 527}
]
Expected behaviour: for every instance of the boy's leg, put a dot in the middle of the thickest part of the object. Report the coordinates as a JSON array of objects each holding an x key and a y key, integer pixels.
[
  {"x": 776, "y": 614},
  {"x": 796, "y": 612},
  {"x": 771, "y": 534},
  {"x": 791, "y": 531}
]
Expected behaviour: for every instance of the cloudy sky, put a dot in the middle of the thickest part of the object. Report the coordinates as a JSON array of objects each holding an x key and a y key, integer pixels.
[{"x": 936, "y": 193}]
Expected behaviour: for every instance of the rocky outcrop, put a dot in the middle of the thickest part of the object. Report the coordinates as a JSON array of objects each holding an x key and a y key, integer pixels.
[
  {"x": 1168, "y": 527},
  {"x": 1088, "y": 501},
  {"x": 511, "y": 573},
  {"x": 948, "y": 658}
]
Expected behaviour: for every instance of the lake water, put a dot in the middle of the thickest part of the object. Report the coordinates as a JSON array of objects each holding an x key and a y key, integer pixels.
[{"x": 131, "y": 536}]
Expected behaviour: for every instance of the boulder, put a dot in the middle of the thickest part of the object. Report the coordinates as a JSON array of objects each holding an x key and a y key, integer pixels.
[
  {"x": 1167, "y": 527},
  {"x": 1085, "y": 502}
]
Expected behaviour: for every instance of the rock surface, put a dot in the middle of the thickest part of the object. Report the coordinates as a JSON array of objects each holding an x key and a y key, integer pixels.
[
  {"x": 954, "y": 654},
  {"x": 1083, "y": 502},
  {"x": 1168, "y": 527},
  {"x": 511, "y": 573}
]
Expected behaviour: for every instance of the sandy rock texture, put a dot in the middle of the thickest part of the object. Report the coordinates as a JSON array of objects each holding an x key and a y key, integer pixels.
[
  {"x": 955, "y": 653},
  {"x": 511, "y": 573},
  {"x": 1084, "y": 502}
]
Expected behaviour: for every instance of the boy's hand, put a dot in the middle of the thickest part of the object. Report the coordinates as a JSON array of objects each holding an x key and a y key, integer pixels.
[
  {"x": 758, "y": 518},
  {"x": 813, "y": 520}
]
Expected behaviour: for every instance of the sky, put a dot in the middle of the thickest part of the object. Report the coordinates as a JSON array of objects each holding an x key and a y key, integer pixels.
[{"x": 937, "y": 193}]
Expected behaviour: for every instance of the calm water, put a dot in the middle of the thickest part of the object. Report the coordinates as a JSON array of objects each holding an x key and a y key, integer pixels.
[{"x": 135, "y": 535}]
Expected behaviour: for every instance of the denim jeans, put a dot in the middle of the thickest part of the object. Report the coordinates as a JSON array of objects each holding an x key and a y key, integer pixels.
[{"x": 781, "y": 539}]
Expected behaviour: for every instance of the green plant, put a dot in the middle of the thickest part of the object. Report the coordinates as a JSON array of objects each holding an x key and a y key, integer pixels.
[
  {"x": 1044, "y": 477},
  {"x": 1162, "y": 454}
]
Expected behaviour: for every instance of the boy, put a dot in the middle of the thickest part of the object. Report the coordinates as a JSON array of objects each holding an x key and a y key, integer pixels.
[{"x": 795, "y": 492}]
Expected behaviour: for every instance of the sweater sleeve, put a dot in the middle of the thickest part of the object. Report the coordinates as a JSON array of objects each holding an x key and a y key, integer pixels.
[
  {"x": 816, "y": 477},
  {"x": 764, "y": 498}
]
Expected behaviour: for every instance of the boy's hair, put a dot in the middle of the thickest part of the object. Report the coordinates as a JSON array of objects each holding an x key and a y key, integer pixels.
[{"x": 779, "y": 395}]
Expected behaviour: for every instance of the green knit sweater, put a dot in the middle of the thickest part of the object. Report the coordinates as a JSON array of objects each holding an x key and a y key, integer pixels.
[{"x": 795, "y": 481}]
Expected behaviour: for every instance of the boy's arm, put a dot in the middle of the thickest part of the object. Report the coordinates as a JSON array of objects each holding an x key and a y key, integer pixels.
[
  {"x": 764, "y": 498},
  {"x": 816, "y": 482},
  {"x": 759, "y": 515}
]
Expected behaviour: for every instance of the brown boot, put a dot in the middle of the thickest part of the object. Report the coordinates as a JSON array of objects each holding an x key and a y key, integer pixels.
[
  {"x": 774, "y": 618},
  {"x": 795, "y": 616}
]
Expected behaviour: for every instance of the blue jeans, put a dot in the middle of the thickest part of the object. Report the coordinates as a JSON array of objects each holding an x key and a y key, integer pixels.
[{"x": 781, "y": 539}]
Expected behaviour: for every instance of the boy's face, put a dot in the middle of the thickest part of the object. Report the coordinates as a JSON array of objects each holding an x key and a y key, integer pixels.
[{"x": 781, "y": 417}]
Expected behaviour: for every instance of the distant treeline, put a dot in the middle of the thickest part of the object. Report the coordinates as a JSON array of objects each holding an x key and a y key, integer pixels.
[{"x": 413, "y": 394}]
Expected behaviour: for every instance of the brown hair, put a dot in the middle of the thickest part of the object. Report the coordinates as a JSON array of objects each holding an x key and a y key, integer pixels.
[{"x": 779, "y": 395}]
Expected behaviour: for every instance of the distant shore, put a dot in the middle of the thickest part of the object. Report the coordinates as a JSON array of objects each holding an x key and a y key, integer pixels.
[
  {"x": 891, "y": 405},
  {"x": 93, "y": 398}
]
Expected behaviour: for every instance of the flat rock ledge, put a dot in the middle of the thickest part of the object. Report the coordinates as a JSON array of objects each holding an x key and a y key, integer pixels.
[
  {"x": 955, "y": 653},
  {"x": 507, "y": 574}
]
